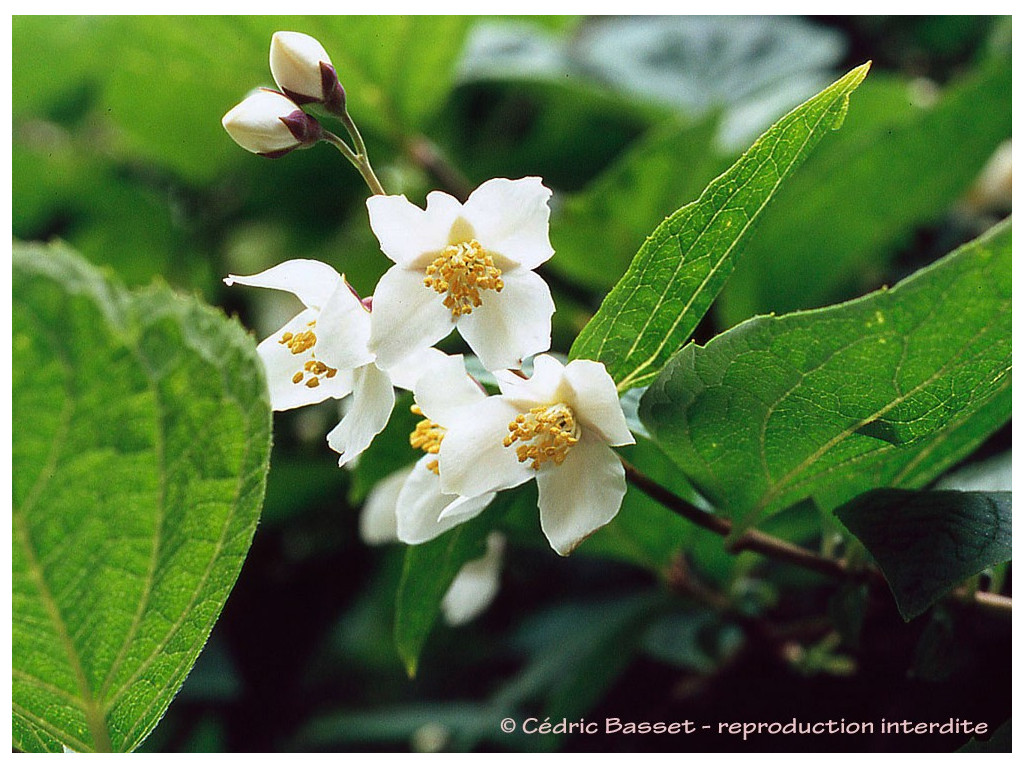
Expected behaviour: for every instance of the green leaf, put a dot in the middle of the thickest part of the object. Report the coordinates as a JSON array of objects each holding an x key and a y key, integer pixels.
[
  {"x": 141, "y": 435},
  {"x": 928, "y": 542},
  {"x": 683, "y": 265},
  {"x": 428, "y": 571},
  {"x": 1001, "y": 740},
  {"x": 888, "y": 390},
  {"x": 862, "y": 196}
]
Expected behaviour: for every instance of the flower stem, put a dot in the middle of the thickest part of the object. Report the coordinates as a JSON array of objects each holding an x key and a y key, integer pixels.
[
  {"x": 358, "y": 158},
  {"x": 778, "y": 549}
]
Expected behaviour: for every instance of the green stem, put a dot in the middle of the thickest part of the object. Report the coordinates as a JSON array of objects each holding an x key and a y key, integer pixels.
[{"x": 359, "y": 160}]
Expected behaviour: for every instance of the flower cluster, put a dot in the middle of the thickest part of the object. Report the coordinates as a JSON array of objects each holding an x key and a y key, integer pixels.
[{"x": 457, "y": 266}]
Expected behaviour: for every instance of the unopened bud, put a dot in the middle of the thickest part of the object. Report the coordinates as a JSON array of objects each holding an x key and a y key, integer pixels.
[
  {"x": 269, "y": 123},
  {"x": 303, "y": 70}
]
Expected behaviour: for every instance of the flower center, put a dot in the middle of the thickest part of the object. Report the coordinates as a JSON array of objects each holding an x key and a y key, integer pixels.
[
  {"x": 313, "y": 369},
  {"x": 546, "y": 433},
  {"x": 427, "y": 437},
  {"x": 462, "y": 271}
]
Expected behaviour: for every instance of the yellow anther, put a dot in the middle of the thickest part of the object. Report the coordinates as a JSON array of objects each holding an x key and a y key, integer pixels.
[
  {"x": 427, "y": 437},
  {"x": 304, "y": 341},
  {"x": 298, "y": 343},
  {"x": 461, "y": 271},
  {"x": 546, "y": 433}
]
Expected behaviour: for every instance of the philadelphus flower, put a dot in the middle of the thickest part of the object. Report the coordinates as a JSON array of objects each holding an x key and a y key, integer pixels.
[
  {"x": 270, "y": 124},
  {"x": 322, "y": 353},
  {"x": 557, "y": 427},
  {"x": 468, "y": 265},
  {"x": 476, "y": 583},
  {"x": 303, "y": 70},
  {"x": 425, "y": 511}
]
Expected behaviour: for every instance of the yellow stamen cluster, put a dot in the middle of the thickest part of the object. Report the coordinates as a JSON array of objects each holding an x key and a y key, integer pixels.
[
  {"x": 547, "y": 433},
  {"x": 298, "y": 343},
  {"x": 303, "y": 341},
  {"x": 427, "y": 437},
  {"x": 461, "y": 272}
]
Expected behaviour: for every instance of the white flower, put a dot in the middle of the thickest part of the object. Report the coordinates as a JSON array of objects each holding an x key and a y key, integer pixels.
[
  {"x": 476, "y": 583},
  {"x": 468, "y": 265},
  {"x": 557, "y": 427},
  {"x": 269, "y": 123},
  {"x": 303, "y": 70},
  {"x": 322, "y": 353},
  {"x": 424, "y": 511},
  {"x": 313, "y": 356}
]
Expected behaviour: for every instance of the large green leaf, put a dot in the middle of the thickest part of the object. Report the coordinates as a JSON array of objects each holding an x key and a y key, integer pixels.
[
  {"x": 888, "y": 390},
  {"x": 928, "y": 542},
  {"x": 862, "y": 196},
  {"x": 141, "y": 437},
  {"x": 683, "y": 265}
]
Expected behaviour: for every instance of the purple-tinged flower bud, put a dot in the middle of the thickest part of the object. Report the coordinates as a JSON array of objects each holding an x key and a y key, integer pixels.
[
  {"x": 303, "y": 70},
  {"x": 269, "y": 123}
]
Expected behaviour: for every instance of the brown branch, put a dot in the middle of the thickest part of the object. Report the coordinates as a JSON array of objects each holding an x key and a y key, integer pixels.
[
  {"x": 751, "y": 541},
  {"x": 784, "y": 551}
]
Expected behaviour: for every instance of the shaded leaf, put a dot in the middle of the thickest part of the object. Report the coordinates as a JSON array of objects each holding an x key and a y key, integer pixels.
[
  {"x": 928, "y": 542},
  {"x": 683, "y": 265},
  {"x": 768, "y": 413},
  {"x": 428, "y": 571},
  {"x": 1001, "y": 740},
  {"x": 141, "y": 437}
]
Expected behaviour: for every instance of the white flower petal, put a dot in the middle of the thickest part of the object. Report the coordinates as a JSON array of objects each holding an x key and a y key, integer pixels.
[
  {"x": 295, "y": 63},
  {"x": 546, "y": 386},
  {"x": 581, "y": 495},
  {"x": 258, "y": 123},
  {"x": 407, "y": 232},
  {"x": 511, "y": 218},
  {"x": 475, "y": 585},
  {"x": 464, "y": 508},
  {"x": 373, "y": 397},
  {"x": 421, "y": 506},
  {"x": 473, "y": 459},
  {"x": 407, "y": 316},
  {"x": 510, "y": 325},
  {"x": 377, "y": 521},
  {"x": 312, "y": 281},
  {"x": 407, "y": 371},
  {"x": 446, "y": 387},
  {"x": 596, "y": 401},
  {"x": 343, "y": 330},
  {"x": 281, "y": 366}
]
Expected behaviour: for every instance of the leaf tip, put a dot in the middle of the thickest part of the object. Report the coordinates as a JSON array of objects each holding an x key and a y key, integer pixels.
[{"x": 411, "y": 667}]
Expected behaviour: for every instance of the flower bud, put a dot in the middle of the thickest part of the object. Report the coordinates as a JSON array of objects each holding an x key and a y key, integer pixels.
[
  {"x": 269, "y": 123},
  {"x": 303, "y": 70}
]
